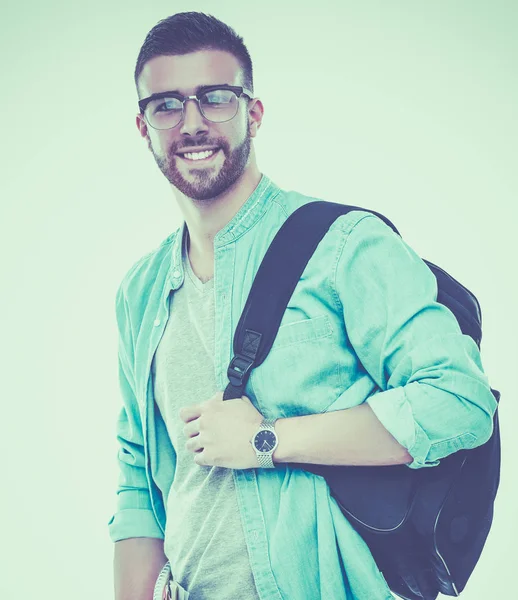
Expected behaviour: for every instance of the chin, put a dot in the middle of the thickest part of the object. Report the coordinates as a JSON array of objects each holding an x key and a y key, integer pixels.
[{"x": 199, "y": 192}]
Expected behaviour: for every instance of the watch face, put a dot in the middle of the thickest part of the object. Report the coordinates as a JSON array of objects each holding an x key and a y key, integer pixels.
[{"x": 265, "y": 441}]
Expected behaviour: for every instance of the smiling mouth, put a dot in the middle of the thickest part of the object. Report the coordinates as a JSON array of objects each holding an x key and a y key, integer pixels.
[{"x": 199, "y": 157}]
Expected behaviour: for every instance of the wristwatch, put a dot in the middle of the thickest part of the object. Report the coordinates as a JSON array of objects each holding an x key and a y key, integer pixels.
[{"x": 264, "y": 443}]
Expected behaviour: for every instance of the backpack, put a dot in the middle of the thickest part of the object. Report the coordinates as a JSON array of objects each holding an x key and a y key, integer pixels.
[{"x": 425, "y": 528}]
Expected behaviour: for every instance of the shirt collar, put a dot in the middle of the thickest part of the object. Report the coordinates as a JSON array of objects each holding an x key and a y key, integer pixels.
[{"x": 242, "y": 221}]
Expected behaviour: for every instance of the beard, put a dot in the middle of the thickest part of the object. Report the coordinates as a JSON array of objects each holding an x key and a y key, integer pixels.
[{"x": 205, "y": 185}]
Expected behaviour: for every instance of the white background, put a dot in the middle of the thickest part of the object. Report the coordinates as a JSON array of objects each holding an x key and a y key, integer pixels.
[{"x": 409, "y": 109}]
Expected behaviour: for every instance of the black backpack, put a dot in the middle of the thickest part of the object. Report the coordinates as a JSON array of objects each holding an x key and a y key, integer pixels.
[{"x": 426, "y": 528}]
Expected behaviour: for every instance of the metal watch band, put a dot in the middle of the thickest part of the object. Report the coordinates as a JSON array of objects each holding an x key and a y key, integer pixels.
[{"x": 265, "y": 461}]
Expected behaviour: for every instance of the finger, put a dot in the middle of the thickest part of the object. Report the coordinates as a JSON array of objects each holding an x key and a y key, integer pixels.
[
  {"x": 195, "y": 444},
  {"x": 188, "y": 413},
  {"x": 200, "y": 459},
  {"x": 192, "y": 428}
]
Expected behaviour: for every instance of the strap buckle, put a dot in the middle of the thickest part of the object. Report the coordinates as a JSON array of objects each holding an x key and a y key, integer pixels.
[{"x": 238, "y": 370}]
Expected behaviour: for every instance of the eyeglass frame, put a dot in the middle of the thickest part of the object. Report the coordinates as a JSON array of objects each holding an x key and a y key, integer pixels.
[{"x": 237, "y": 90}]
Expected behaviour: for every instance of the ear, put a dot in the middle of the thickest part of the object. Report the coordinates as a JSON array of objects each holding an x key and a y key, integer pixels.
[
  {"x": 143, "y": 130},
  {"x": 255, "y": 116}
]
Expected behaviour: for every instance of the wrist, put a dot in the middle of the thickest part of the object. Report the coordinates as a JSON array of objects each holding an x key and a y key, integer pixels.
[{"x": 284, "y": 452}]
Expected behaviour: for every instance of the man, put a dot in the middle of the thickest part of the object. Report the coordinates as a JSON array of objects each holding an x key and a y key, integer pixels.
[{"x": 367, "y": 369}]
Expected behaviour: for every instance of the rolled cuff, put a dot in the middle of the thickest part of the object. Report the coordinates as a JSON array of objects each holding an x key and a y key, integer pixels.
[
  {"x": 394, "y": 411},
  {"x": 134, "y": 522}
]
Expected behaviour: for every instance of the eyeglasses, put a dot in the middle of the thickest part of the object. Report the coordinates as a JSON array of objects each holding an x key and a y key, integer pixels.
[{"x": 218, "y": 104}]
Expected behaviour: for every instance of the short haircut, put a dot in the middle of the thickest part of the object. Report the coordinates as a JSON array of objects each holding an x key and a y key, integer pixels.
[{"x": 187, "y": 32}]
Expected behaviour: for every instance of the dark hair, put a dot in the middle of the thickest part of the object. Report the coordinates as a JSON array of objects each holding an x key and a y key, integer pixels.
[{"x": 187, "y": 32}]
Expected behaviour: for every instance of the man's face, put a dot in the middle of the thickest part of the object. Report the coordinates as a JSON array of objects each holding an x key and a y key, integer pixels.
[{"x": 207, "y": 178}]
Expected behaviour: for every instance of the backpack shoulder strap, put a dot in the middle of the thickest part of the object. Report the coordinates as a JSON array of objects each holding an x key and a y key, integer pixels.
[{"x": 274, "y": 283}]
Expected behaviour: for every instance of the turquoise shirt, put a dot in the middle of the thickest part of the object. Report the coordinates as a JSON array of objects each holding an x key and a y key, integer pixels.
[{"x": 363, "y": 325}]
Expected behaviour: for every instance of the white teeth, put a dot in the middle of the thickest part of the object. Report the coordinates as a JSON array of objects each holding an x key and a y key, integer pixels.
[{"x": 198, "y": 155}]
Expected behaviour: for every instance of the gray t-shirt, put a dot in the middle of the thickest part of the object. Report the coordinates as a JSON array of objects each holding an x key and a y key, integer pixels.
[{"x": 204, "y": 539}]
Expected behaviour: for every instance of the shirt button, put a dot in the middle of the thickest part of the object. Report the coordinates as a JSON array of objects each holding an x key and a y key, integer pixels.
[
  {"x": 176, "y": 273},
  {"x": 156, "y": 323}
]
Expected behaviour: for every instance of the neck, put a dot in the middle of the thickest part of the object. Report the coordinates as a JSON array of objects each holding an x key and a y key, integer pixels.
[{"x": 204, "y": 218}]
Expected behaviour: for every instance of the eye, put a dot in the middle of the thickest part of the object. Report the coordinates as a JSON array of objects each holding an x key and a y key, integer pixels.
[
  {"x": 166, "y": 105},
  {"x": 215, "y": 97}
]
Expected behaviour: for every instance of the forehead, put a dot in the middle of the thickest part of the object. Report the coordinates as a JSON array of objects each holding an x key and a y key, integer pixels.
[{"x": 188, "y": 71}]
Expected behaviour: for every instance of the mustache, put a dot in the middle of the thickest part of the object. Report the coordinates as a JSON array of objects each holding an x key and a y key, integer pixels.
[{"x": 197, "y": 143}]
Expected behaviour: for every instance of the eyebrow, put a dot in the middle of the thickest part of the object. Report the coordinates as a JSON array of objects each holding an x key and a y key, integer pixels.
[{"x": 197, "y": 90}]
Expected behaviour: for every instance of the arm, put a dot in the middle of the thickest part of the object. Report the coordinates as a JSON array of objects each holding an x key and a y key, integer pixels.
[
  {"x": 345, "y": 437},
  {"x": 433, "y": 397},
  {"x": 353, "y": 436},
  {"x": 138, "y": 538},
  {"x": 136, "y": 565}
]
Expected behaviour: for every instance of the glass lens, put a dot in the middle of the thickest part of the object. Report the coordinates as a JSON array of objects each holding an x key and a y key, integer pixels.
[
  {"x": 164, "y": 113},
  {"x": 219, "y": 105}
]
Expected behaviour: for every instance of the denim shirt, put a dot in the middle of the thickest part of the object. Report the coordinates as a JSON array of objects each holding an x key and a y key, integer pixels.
[{"x": 363, "y": 325}]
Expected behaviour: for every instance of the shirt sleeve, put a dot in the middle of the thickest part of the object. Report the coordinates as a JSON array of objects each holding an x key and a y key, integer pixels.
[
  {"x": 433, "y": 395},
  {"x": 134, "y": 516}
]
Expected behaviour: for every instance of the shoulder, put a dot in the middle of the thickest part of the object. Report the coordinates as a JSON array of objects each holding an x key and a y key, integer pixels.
[
  {"x": 290, "y": 200},
  {"x": 147, "y": 271},
  {"x": 360, "y": 220}
]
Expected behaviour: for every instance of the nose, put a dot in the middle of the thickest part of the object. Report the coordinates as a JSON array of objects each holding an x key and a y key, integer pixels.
[{"x": 193, "y": 121}]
